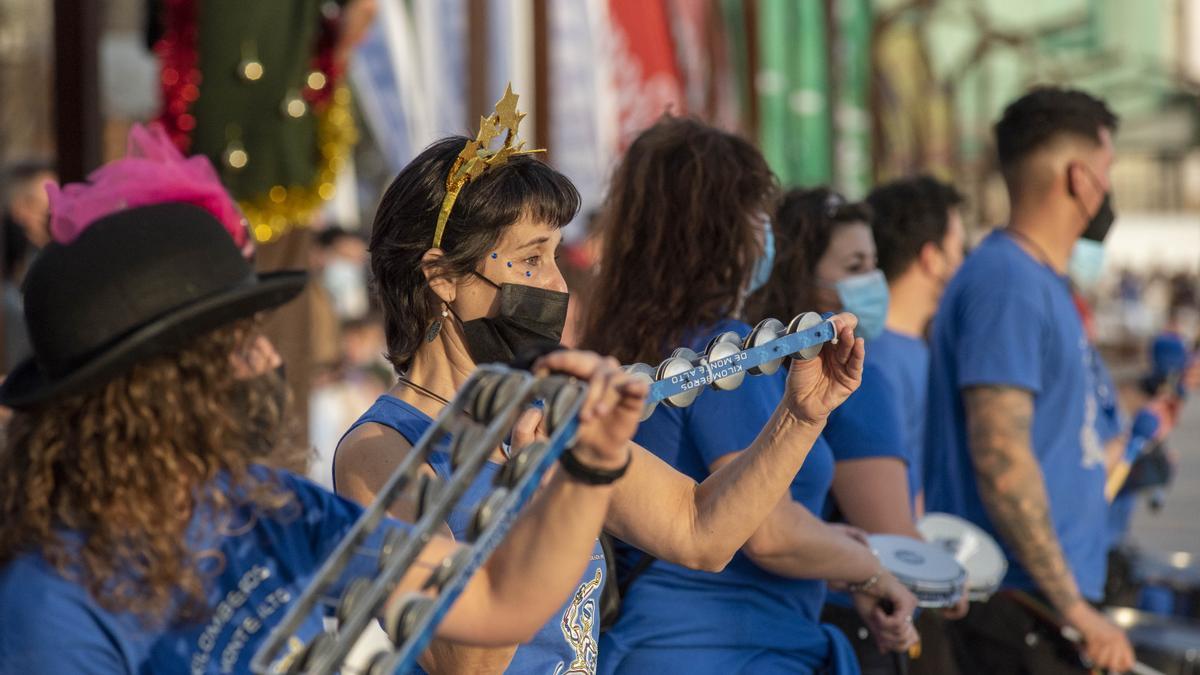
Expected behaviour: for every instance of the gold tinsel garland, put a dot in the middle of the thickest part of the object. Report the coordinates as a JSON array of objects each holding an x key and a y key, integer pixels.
[{"x": 272, "y": 214}]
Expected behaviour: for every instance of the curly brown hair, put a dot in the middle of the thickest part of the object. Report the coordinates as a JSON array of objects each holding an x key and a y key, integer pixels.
[
  {"x": 104, "y": 484},
  {"x": 680, "y": 237}
]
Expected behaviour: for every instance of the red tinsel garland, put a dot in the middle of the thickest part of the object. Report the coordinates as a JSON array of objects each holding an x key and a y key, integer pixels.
[{"x": 180, "y": 78}]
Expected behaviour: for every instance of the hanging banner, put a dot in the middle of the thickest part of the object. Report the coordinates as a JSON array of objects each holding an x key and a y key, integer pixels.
[
  {"x": 808, "y": 95},
  {"x": 851, "y": 116},
  {"x": 578, "y": 145},
  {"x": 646, "y": 77},
  {"x": 771, "y": 83}
]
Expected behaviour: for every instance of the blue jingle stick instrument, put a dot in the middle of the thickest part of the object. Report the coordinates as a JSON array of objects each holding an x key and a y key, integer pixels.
[
  {"x": 476, "y": 422},
  {"x": 679, "y": 379}
]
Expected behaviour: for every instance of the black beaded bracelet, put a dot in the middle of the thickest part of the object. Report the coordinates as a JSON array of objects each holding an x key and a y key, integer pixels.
[{"x": 592, "y": 476}]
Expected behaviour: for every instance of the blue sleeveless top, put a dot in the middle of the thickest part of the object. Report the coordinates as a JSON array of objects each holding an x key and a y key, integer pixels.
[{"x": 567, "y": 644}]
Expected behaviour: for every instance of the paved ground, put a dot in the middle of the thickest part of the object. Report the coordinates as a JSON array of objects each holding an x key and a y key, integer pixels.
[{"x": 1177, "y": 526}]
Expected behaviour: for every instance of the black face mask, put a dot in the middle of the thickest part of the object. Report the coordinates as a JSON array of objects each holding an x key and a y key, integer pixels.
[
  {"x": 1100, "y": 223},
  {"x": 530, "y": 320},
  {"x": 262, "y": 416}
]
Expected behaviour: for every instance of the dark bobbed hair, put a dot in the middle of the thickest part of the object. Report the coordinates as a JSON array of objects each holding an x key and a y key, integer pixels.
[
  {"x": 909, "y": 213},
  {"x": 679, "y": 237},
  {"x": 1044, "y": 115},
  {"x": 804, "y": 225},
  {"x": 407, "y": 217}
]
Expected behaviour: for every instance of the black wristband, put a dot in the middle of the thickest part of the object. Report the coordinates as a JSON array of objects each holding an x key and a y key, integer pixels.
[{"x": 592, "y": 476}]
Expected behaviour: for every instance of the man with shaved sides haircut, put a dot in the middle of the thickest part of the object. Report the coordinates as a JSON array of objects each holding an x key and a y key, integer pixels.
[{"x": 1011, "y": 437}]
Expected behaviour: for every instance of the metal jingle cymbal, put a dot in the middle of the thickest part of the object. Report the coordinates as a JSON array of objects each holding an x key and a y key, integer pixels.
[
  {"x": 401, "y": 617},
  {"x": 643, "y": 372},
  {"x": 805, "y": 321},
  {"x": 677, "y": 365},
  {"x": 351, "y": 598},
  {"x": 486, "y": 513},
  {"x": 559, "y": 404},
  {"x": 766, "y": 331},
  {"x": 721, "y": 347}
]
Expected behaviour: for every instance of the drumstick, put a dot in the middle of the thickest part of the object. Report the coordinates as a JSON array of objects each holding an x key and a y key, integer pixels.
[{"x": 1068, "y": 632}]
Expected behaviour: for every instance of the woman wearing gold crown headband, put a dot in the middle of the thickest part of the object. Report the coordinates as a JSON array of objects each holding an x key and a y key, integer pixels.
[
  {"x": 689, "y": 204},
  {"x": 486, "y": 287}
]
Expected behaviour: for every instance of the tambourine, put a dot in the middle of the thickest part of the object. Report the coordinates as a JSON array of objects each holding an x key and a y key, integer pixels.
[
  {"x": 932, "y": 574},
  {"x": 678, "y": 380},
  {"x": 976, "y": 550},
  {"x": 474, "y": 423}
]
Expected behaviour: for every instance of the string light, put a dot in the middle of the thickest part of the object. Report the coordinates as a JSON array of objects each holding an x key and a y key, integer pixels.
[
  {"x": 273, "y": 213},
  {"x": 336, "y": 135}
]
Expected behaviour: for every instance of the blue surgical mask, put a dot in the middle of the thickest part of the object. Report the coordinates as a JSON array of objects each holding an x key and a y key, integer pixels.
[
  {"x": 866, "y": 296},
  {"x": 1087, "y": 263},
  {"x": 765, "y": 263}
]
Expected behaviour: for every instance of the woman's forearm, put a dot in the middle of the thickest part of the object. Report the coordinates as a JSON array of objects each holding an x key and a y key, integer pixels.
[
  {"x": 795, "y": 543},
  {"x": 537, "y": 567},
  {"x": 702, "y": 526}
]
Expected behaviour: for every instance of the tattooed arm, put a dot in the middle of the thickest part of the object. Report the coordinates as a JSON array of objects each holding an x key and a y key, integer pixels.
[{"x": 999, "y": 422}]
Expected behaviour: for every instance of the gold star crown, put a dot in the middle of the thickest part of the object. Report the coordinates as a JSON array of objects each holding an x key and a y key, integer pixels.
[{"x": 477, "y": 157}]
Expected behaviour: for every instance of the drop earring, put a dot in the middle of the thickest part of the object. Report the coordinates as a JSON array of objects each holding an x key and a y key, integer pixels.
[{"x": 436, "y": 327}]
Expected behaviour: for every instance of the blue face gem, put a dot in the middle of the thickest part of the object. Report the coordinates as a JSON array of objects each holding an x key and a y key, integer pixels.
[
  {"x": 494, "y": 256},
  {"x": 509, "y": 263},
  {"x": 529, "y": 274}
]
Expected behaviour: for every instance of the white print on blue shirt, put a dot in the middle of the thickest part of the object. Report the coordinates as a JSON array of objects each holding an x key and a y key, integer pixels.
[
  {"x": 1089, "y": 438},
  {"x": 247, "y": 627}
]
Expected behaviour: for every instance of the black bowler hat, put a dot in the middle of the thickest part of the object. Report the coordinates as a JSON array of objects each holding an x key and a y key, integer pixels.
[{"x": 136, "y": 284}]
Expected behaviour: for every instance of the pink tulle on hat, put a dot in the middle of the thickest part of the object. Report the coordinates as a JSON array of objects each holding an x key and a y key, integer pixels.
[{"x": 153, "y": 171}]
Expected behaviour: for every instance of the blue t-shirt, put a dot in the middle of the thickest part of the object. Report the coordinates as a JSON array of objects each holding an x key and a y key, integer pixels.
[
  {"x": 566, "y": 644},
  {"x": 1008, "y": 320},
  {"x": 904, "y": 362},
  {"x": 868, "y": 425},
  {"x": 53, "y": 625},
  {"x": 743, "y": 607}
]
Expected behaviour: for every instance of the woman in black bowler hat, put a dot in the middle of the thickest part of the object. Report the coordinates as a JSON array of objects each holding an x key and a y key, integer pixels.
[{"x": 142, "y": 528}]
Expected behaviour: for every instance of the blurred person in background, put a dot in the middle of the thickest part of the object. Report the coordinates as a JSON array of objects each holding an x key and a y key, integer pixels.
[
  {"x": 920, "y": 243},
  {"x": 26, "y": 212},
  {"x": 340, "y": 261},
  {"x": 682, "y": 188},
  {"x": 919, "y": 240},
  {"x": 347, "y": 342},
  {"x": 25, "y": 201},
  {"x": 827, "y": 263},
  {"x": 337, "y": 260},
  {"x": 341, "y": 393},
  {"x": 1011, "y": 438},
  {"x": 578, "y": 262}
]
